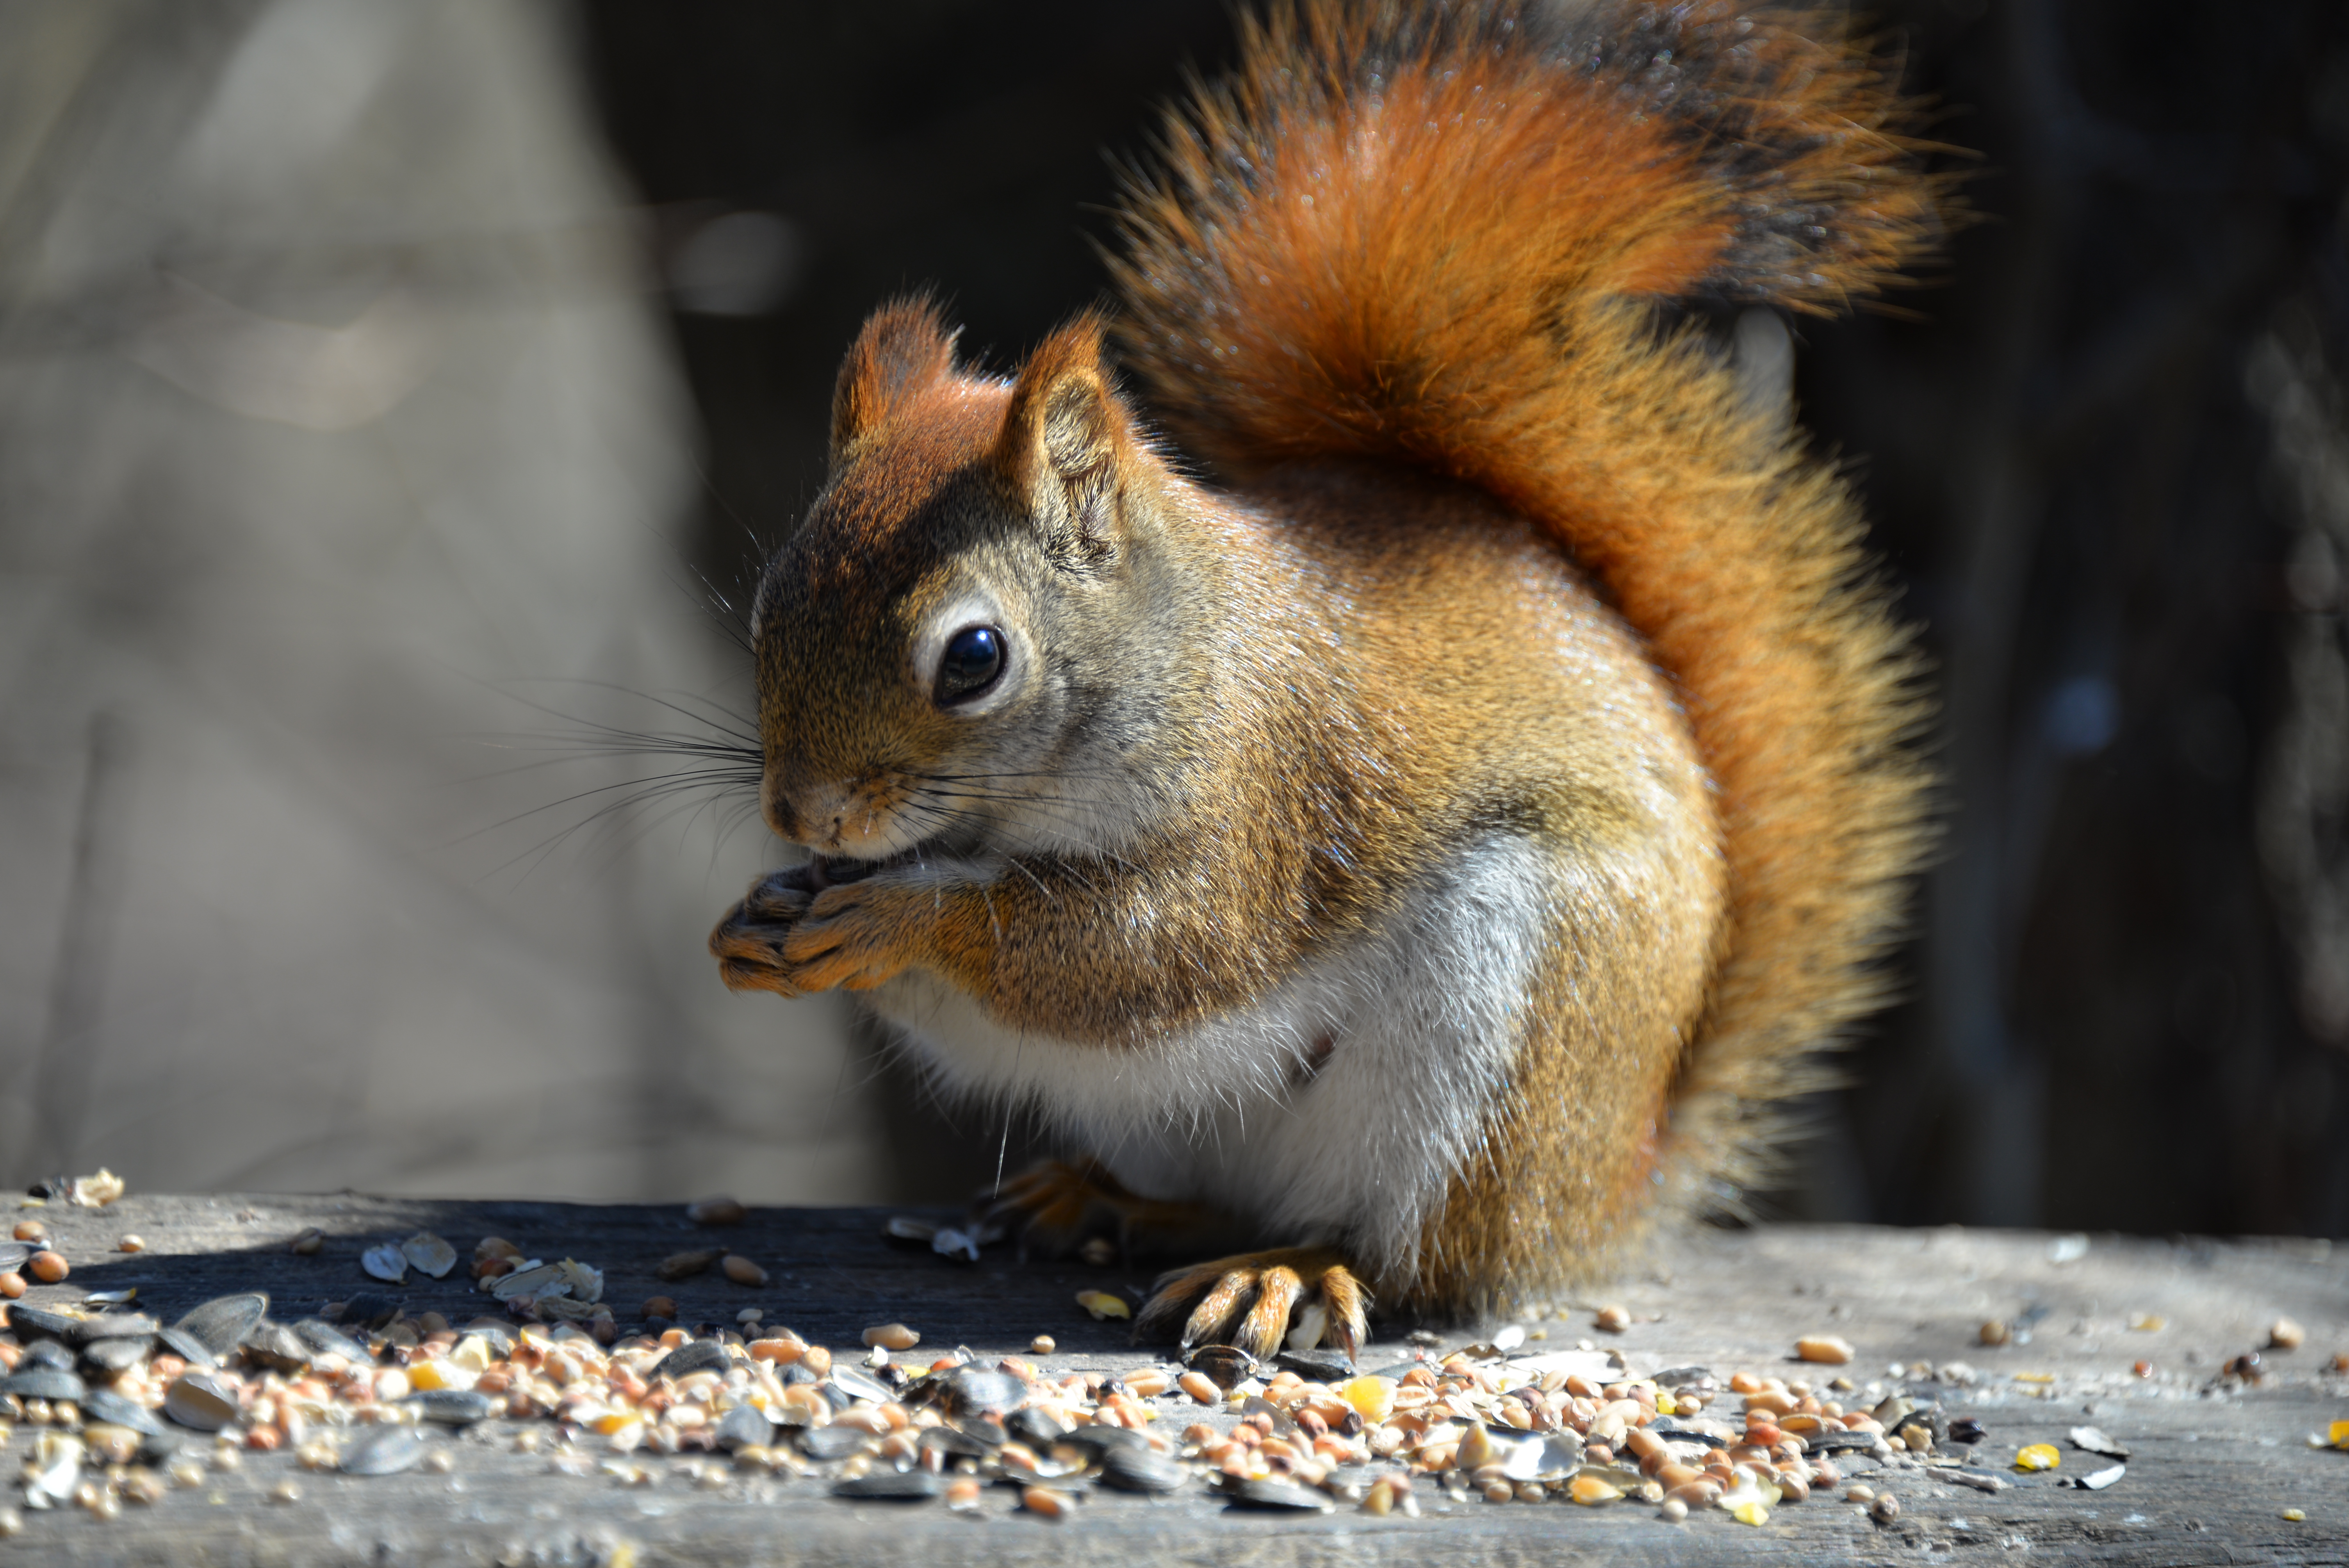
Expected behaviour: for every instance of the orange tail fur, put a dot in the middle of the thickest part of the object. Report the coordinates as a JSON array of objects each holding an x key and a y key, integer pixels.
[{"x": 1438, "y": 236}]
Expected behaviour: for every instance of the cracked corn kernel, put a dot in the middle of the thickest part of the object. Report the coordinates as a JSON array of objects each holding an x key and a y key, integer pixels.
[
  {"x": 1372, "y": 1397},
  {"x": 1590, "y": 1490},
  {"x": 1749, "y": 1514},
  {"x": 2037, "y": 1457},
  {"x": 1102, "y": 1306},
  {"x": 2294, "y": 1514},
  {"x": 1046, "y": 1503}
]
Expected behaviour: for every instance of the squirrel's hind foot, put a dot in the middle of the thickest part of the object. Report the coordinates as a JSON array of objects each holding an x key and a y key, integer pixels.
[
  {"x": 1246, "y": 1301},
  {"x": 1056, "y": 1206}
]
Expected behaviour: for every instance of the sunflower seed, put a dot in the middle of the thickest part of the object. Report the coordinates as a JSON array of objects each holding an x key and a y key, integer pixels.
[
  {"x": 324, "y": 1339},
  {"x": 33, "y": 1320},
  {"x": 1039, "y": 1430},
  {"x": 383, "y": 1450},
  {"x": 1140, "y": 1470},
  {"x": 1227, "y": 1365},
  {"x": 116, "y": 1326},
  {"x": 44, "y": 1383},
  {"x": 1317, "y": 1366},
  {"x": 971, "y": 1390},
  {"x": 106, "y": 1404},
  {"x": 221, "y": 1323},
  {"x": 1541, "y": 1458},
  {"x": 2093, "y": 1440},
  {"x": 701, "y": 1356},
  {"x": 277, "y": 1348},
  {"x": 857, "y": 1386},
  {"x": 451, "y": 1407},
  {"x": 892, "y": 1486},
  {"x": 1277, "y": 1494},
  {"x": 1101, "y": 1441},
  {"x": 200, "y": 1400},
  {"x": 428, "y": 1254},
  {"x": 953, "y": 1443},
  {"x": 832, "y": 1442},
  {"x": 743, "y": 1427},
  {"x": 118, "y": 1355}
]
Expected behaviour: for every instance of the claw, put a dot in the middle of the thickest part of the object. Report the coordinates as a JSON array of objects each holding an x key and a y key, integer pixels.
[
  {"x": 1250, "y": 1298},
  {"x": 1267, "y": 1321},
  {"x": 1214, "y": 1312}
]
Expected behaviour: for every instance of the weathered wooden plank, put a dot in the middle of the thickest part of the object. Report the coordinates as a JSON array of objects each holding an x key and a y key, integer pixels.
[{"x": 2217, "y": 1461}]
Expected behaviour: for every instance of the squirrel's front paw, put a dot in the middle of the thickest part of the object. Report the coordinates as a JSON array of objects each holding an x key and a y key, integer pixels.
[
  {"x": 853, "y": 935},
  {"x": 748, "y": 942}
]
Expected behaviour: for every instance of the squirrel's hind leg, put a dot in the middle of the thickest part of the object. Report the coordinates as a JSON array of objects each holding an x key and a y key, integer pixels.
[
  {"x": 1246, "y": 1300},
  {"x": 1056, "y": 1206}
]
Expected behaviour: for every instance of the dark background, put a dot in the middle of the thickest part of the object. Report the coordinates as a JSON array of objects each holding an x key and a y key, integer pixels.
[{"x": 2104, "y": 451}]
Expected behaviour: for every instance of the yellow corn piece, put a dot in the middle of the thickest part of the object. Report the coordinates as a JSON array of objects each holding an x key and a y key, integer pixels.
[
  {"x": 1589, "y": 1489},
  {"x": 1102, "y": 1304},
  {"x": 2037, "y": 1457},
  {"x": 2338, "y": 1434},
  {"x": 1749, "y": 1514},
  {"x": 1373, "y": 1396}
]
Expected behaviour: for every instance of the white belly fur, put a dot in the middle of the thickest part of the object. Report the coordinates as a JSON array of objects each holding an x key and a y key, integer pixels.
[{"x": 1426, "y": 1017}]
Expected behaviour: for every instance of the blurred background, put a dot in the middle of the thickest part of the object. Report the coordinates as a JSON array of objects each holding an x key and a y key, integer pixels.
[{"x": 392, "y": 398}]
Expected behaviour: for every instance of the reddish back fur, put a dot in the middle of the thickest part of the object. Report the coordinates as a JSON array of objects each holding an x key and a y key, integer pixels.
[{"x": 1441, "y": 240}]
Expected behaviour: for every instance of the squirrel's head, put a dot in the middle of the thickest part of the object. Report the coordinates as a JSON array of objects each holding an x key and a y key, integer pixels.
[{"x": 967, "y": 642}]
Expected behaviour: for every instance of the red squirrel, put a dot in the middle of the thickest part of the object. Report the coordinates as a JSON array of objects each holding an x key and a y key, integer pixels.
[{"x": 1430, "y": 788}]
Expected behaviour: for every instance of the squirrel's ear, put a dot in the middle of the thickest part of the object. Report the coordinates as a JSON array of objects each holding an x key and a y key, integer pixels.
[
  {"x": 1064, "y": 437},
  {"x": 904, "y": 347}
]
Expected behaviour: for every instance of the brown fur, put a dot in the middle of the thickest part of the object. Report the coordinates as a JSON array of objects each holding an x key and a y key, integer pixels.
[
  {"x": 1288, "y": 311},
  {"x": 1392, "y": 282}
]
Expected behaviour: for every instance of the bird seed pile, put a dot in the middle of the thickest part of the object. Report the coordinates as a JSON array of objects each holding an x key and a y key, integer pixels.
[{"x": 103, "y": 1406}]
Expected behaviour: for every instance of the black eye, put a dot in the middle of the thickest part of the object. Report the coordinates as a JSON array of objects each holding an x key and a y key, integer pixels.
[{"x": 973, "y": 657}]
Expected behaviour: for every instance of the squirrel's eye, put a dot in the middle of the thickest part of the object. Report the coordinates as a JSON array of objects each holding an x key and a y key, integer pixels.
[{"x": 973, "y": 657}]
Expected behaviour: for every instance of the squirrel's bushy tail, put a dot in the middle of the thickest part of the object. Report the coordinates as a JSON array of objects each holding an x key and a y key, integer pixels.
[{"x": 1438, "y": 234}]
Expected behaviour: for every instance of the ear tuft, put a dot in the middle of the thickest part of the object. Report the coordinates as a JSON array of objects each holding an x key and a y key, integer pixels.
[
  {"x": 905, "y": 348},
  {"x": 1064, "y": 422},
  {"x": 1078, "y": 434}
]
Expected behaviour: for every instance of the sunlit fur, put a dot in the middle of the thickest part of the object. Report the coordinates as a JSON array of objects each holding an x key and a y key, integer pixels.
[{"x": 1348, "y": 854}]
